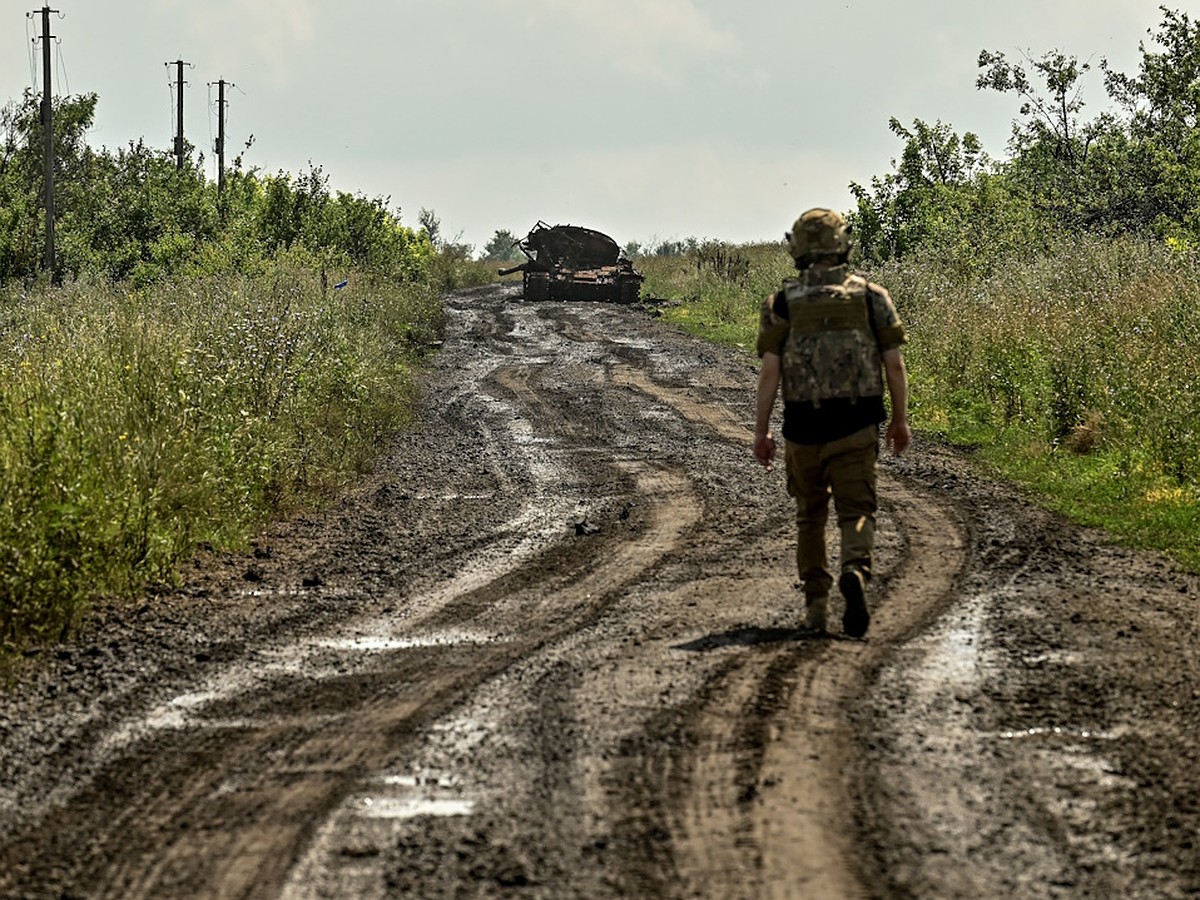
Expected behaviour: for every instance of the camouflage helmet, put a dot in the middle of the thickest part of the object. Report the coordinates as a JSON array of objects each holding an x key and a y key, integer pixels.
[{"x": 818, "y": 233}]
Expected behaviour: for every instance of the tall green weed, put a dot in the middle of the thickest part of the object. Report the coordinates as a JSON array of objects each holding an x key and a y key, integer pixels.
[
  {"x": 716, "y": 289},
  {"x": 136, "y": 423},
  {"x": 1074, "y": 371},
  {"x": 1089, "y": 347}
]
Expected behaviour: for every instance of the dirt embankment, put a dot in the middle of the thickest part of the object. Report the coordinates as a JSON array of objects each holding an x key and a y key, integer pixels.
[{"x": 548, "y": 648}]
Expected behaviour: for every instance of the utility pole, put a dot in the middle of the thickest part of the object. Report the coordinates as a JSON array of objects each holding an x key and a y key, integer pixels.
[
  {"x": 48, "y": 141},
  {"x": 179, "y": 83},
  {"x": 221, "y": 134}
]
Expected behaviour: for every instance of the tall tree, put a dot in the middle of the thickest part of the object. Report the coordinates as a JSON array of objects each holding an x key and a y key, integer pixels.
[
  {"x": 502, "y": 247},
  {"x": 1162, "y": 108}
]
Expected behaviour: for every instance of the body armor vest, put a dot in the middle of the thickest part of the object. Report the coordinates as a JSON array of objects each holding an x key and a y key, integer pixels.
[{"x": 831, "y": 350}]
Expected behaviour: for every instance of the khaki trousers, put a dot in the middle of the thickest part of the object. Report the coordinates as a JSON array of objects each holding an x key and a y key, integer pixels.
[{"x": 845, "y": 470}]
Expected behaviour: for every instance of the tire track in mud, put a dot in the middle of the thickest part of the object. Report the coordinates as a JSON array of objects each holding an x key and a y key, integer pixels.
[
  {"x": 565, "y": 598},
  {"x": 817, "y": 744},
  {"x": 778, "y": 768},
  {"x": 226, "y": 814},
  {"x": 313, "y": 772},
  {"x": 1037, "y": 740},
  {"x": 720, "y": 420},
  {"x": 757, "y": 796},
  {"x": 707, "y": 820},
  {"x": 569, "y": 592}
]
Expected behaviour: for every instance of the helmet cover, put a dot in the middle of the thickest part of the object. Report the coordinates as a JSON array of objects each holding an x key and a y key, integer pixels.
[{"x": 819, "y": 233}]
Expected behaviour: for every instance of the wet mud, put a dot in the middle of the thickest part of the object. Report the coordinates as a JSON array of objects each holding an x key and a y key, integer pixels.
[{"x": 550, "y": 647}]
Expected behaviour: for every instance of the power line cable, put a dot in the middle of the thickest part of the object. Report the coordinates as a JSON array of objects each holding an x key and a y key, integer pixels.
[
  {"x": 170, "y": 99},
  {"x": 211, "y": 140},
  {"x": 62, "y": 66},
  {"x": 31, "y": 42}
]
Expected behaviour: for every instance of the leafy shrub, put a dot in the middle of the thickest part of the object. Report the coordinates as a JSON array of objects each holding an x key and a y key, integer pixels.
[
  {"x": 132, "y": 214},
  {"x": 138, "y": 422}
]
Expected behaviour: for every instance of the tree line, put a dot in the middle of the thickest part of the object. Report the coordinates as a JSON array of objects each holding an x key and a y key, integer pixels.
[
  {"x": 1133, "y": 171},
  {"x": 131, "y": 214}
]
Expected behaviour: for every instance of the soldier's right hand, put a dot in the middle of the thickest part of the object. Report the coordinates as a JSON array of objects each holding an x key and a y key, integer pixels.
[{"x": 898, "y": 437}]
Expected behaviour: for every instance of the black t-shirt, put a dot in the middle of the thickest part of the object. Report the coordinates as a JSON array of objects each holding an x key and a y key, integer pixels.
[{"x": 804, "y": 423}]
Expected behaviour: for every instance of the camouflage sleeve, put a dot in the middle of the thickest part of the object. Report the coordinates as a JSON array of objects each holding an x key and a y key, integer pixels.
[
  {"x": 772, "y": 328},
  {"x": 889, "y": 330}
]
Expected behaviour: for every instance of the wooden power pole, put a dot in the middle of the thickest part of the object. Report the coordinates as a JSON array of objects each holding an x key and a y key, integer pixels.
[
  {"x": 221, "y": 83},
  {"x": 179, "y": 83},
  {"x": 48, "y": 141}
]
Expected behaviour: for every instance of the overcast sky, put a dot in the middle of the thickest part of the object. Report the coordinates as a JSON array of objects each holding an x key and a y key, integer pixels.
[{"x": 647, "y": 119}]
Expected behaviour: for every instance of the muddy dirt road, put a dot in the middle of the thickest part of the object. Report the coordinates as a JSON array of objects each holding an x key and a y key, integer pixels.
[{"x": 548, "y": 648}]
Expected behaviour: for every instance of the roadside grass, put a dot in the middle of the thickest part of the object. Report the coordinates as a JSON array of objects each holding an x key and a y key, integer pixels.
[
  {"x": 715, "y": 291},
  {"x": 138, "y": 424},
  {"x": 454, "y": 267},
  {"x": 1074, "y": 374}
]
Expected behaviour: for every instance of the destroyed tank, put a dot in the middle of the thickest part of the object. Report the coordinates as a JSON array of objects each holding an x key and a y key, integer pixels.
[{"x": 567, "y": 262}]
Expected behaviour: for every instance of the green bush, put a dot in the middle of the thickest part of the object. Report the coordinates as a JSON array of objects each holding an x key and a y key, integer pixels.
[
  {"x": 136, "y": 423},
  {"x": 133, "y": 215},
  {"x": 716, "y": 289},
  {"x": 1072, "y": 370}
]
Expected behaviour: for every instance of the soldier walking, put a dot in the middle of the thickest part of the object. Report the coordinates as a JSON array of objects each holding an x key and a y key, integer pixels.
[{"x": 833, "y": 338}]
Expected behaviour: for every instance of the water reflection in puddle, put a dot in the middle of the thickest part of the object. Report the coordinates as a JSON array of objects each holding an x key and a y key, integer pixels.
[
  {"x": 1061, "y": 731},
  {"x": 381, "y": 812},
  {"x": 409, "y": 796},
  {"x": 307, "y": 660},
  {"x": 410, "y": 808},
  {"x": 951, "y": 654},
  {"x": 177, "y": 712},
  {"x": 1087, "y": 766},
  {"x": 384, "y": 642},
  {"x": 632, "y": 343}
]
